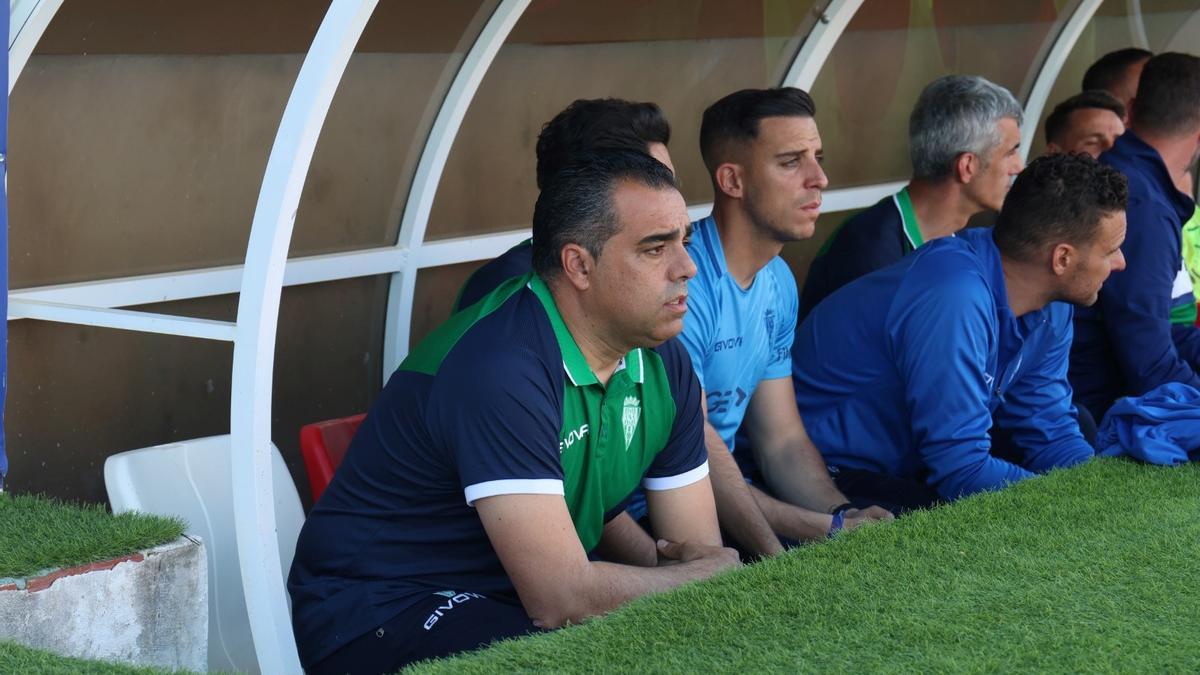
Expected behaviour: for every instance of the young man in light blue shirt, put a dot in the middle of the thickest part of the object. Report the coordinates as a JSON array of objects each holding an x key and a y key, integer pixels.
[{"x": 763, "y": 153}]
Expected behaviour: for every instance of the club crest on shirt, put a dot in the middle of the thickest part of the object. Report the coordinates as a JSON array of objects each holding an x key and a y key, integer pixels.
[{"x": 630, "y": 417}]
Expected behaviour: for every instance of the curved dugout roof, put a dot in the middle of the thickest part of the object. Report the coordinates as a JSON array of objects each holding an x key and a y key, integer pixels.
[{"x": 387, "y": 206}]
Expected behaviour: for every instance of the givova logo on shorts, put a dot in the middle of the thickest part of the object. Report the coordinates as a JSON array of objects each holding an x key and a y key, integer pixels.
[{"x": 452, "y": 600}]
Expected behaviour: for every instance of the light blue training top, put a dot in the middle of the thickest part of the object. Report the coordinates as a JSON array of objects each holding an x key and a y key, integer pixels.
[{"x": 736, "y": 337}]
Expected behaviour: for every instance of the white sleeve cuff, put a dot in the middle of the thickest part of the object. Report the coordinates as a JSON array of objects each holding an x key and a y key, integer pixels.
[
  {"x": 516, "y": 486},
  {"x": 677, "y": 481}
]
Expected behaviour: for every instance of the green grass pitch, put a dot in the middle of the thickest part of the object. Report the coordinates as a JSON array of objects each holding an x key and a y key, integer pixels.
[{"x": 1092, "y": 569}]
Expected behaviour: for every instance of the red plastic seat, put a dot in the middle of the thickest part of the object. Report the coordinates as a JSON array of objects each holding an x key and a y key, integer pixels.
[{"x": 323, "y": 445}]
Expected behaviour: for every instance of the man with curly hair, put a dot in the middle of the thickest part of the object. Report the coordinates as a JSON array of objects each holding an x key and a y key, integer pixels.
[{"x": 901, "y": 373}]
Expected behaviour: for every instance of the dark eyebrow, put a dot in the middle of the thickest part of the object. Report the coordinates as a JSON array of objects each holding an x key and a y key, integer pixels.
[{"x": 663, "y": 237}]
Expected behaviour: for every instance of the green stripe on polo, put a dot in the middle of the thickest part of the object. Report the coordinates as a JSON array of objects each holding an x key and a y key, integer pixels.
[{"x": 606, "y": 441}]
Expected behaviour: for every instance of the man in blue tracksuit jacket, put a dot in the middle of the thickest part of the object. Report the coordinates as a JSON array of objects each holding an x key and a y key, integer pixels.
[
  {"x": 1127, "y": 344},
  {"x": 900, "y": 373}
]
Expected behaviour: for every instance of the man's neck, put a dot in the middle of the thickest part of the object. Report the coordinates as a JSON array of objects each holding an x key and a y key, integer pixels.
[
  {"x": 747, "y": 248},
  {"x": 601, "y": 352},
  {"x": 1177, "y": 152},
  {"x": 1024, "y": 286},
  {"x": 940, "y": 207}
]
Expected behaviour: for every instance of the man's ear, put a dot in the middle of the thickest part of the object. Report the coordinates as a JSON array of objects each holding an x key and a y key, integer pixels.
[
  {"x": 728, "y": 177},
  {"x": 578, "y": 265},
  {"x": 1053, "y": 148},
  {"x": 1062, "y": 257},
  {"x": 966, "y": 167}
]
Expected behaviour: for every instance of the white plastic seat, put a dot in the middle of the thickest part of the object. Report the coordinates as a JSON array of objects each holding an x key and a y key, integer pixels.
[{"x": 191, "y": 479}]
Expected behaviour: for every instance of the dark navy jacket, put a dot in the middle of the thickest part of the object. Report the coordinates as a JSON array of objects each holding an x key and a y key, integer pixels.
[
  {"x": 515, "y": 262},
  {"x": 902, "y": 371},
  {"x": 1125, "y": 345},
  {"x": 869, "y": 241}
]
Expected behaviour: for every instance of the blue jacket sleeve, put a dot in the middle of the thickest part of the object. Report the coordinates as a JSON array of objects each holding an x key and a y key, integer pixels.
[
  {"x": 940, "y": 342},
  {"x": 1037, "y": 407},
  {"x": 1136, "y": 302}
]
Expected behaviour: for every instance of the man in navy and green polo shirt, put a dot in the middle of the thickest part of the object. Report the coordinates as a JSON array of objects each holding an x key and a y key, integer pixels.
[
  {"x": 964, "y": 139},
  {"x": 584, "y": 126},
  {"x": 469, "y": 499}
]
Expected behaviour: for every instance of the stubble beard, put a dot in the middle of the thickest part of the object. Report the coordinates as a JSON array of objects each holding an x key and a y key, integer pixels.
[{"x": 772, "y": 229}]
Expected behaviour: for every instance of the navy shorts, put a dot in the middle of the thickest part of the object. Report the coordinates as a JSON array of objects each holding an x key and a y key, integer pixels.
[{"x": 444, "y": 623}]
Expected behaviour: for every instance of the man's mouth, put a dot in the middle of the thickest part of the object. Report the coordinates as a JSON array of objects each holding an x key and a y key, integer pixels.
[{"x": 678, "y": 304}]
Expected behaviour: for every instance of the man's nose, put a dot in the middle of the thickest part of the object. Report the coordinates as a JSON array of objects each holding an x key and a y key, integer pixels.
[
  {"x": 685, "y": 268},
  {"x": 820, "y": 180}
]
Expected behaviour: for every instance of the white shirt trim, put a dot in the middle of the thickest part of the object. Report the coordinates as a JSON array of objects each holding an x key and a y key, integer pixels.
[
  {"x": 514, "y": 486},
  {"x": 1183, "y": 283},
  {"x": 677, "y": 481}
]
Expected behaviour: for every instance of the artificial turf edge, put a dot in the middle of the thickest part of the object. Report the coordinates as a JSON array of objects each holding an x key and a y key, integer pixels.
[{"x": 39, "y": 534}]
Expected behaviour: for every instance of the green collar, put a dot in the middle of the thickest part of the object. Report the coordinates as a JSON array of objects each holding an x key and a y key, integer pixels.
[
  {"x": 908, "y": 218},
  {"x": 575, "y": 365}
]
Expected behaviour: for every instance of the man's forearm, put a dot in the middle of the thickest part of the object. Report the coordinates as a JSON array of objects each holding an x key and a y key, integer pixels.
[
  {"x": 805, "y": 480},
  {"x": 605, "y": 586},
  {"x": 737, "y": 510},
  {"x": 791, "y": 521},
  {"x": 624, "y": 541}
]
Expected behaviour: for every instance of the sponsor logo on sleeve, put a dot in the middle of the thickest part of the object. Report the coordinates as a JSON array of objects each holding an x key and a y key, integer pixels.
[{"x": 572, "y": 437}]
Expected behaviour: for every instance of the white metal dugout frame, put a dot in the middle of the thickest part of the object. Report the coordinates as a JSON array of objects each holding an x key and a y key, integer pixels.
[{"x": 267, "y": 269}]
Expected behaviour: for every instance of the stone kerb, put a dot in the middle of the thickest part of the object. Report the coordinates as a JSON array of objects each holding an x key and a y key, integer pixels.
[{"x": 149, "y": 608}]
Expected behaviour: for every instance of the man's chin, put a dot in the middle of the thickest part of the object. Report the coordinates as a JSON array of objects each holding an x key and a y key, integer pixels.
[
  {"x": 665, "y": 331},
  {"x": 798, "y": 232}
]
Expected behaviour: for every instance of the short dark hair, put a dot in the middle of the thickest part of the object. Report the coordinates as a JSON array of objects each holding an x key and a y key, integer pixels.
[
  {"x": 598, "y": 124},
  {"x": 1059, "y": 120},
  {"x": 1057, "y": 198},
  {"x": 736, "y": 117},
  {"x": 1110, "y": 68},
  {"x": 576, "y": 205},
  {"x": 1168, "y": 95}
]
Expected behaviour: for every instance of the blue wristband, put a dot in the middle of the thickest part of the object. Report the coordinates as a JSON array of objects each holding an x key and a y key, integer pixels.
[{"x": 839, "y": 519}]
